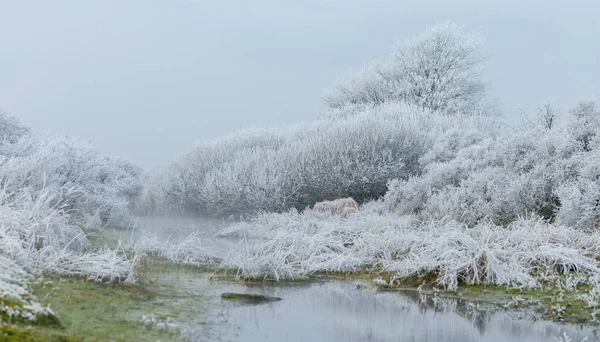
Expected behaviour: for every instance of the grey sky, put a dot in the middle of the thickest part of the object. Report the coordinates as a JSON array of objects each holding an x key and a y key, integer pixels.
[{"x": 144, "y": 79}]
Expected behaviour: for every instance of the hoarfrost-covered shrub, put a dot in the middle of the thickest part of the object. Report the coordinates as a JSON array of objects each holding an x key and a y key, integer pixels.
[
  {"x": 86, "y": 182},
  {"x": 454, "y": 155},
  {"x": 51, "y": 188},
  {"x": 295, "y": 245},
  {"x": 585, "y": 122},
  {"x": 298, "y": 166},
  {"x": 36, "y": 234},
  {"x": 580, "y": 198},
  {"x": 470, "y": 177}
]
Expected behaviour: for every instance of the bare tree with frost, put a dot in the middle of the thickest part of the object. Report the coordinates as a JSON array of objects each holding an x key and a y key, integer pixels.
[{"x": 439, "y": 70}]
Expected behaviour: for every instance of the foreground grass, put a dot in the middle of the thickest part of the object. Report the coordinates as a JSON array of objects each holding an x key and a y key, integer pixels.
[
  {"x": 42, "y": 327},
  {"x": 11, "y": 333},
  {"x": 101, "y": 312}
]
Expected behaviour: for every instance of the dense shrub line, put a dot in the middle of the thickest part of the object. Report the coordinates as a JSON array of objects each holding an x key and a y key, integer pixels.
[
  {"x": 469, "y": 177},
  {"x": 295, "y": 167},
  {"x": 53, "y": 190}
]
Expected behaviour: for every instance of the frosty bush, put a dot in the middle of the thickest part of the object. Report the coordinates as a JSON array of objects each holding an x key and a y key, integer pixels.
[
  {"x": 294, "y": 245},
  {"x": 295, "y": 167},
  {"x": 580, "y": 197},
  {"x": 88, "y": 183},
  {"x": 471, "y": 177},
  {"x": 51, "y": 188},
  {"x": 479, "y": 210},
  {"x": 36, "y": 234},
  {"x": 585, "y": 122}
]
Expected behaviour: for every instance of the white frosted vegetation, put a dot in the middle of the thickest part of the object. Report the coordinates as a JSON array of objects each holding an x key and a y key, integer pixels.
[
  {"x": 52, "y": 189},
  {"x": 12, "y": 280},
  {"x": 483, "y": 210},
  {"x": 192, "y": 250},
  {"x": 14, "y": 287},
  {"x": 439, "y": 71},
  {"x": 295, "y": 245},
  {"x": 85, "y": 183},
  {"x": 295, "y": 167},
  {"x": 470, "y": 177},
  {"x": 39, "y": 237}
]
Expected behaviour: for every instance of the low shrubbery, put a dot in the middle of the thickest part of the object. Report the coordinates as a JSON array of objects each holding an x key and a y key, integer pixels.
[
  {"x": 484, "y": 210},
  {"x": 295, "y": 167},
  {"x": 295, "y": 245},
  {"x": 53, "y": 190}
]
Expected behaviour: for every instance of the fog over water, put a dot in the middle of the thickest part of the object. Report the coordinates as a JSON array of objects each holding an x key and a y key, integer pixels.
[{"x": 144, "y": 79}]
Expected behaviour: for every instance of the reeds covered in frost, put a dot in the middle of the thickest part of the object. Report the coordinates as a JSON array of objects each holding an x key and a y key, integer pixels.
[{"x": 294, "y": 245}]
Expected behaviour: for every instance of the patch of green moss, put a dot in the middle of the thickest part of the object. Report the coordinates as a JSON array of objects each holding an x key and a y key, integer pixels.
[
  {"x": 14, "y": 333},
  {"x": 101, "y": 312},
  {"x": 41, "y": 319},
  {"x": 249, "y": 298},
  {"x": 156, "y": 264},
  {"x": 365, "y": 275}
]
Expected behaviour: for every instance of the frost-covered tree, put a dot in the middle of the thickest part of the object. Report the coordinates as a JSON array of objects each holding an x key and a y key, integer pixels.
[
  {"x": 548, "y": 113},
  {"x": 546, "y": 116},
  {"x": 11, "y": 128},
  {"x": 363, "y": 87},
  {"x": 439, "y": 70}
]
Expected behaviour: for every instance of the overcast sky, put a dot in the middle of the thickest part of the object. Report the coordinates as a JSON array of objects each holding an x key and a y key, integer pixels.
[{"x": 145, "y": 79}]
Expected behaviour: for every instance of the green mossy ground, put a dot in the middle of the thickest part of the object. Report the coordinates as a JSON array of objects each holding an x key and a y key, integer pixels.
[
  {"x": 14, "y": 333},
  {"x": 100, "y": 312},
  {"x": 45, "y": 327},
  {"x": 249, "y": 298},
  {"x": 41, "y": 319}
]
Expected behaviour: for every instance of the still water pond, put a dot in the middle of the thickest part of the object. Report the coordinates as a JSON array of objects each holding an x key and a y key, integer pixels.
[{"x": 339, "y": 310}]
